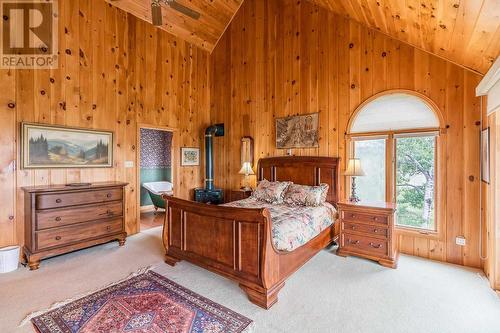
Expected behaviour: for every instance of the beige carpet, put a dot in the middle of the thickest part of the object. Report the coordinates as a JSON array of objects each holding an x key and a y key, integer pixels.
[{"x": 329, "y": 294}]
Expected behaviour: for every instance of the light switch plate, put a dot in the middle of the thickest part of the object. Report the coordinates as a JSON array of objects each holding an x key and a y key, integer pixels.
[
  {"x": 460, "y": 240},
  {"x": 129, "y": 164}
]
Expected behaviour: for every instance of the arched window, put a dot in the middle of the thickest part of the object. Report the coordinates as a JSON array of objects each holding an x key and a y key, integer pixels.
[
  {"x": 393, "y": 112},
  {"x": 396, "y": 137}
]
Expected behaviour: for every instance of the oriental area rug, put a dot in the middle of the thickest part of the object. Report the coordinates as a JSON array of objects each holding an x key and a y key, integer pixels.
[{"x": 148, "y": 302}]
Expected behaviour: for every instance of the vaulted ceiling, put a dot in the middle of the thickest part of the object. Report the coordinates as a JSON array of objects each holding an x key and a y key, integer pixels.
[
  {"x": 204, "y": 32},
  {"x": 466, "y": 32}
]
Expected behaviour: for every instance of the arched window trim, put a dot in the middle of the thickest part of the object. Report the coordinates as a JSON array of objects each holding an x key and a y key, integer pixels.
[
  {"x": 430, "y": 103},
  {"x": 440, "y": 158}
]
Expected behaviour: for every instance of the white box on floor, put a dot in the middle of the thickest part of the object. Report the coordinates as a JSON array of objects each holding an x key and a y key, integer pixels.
[{"x": 9, "y": 259}]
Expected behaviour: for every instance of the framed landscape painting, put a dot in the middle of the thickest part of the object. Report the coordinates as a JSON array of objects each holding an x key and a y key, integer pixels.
[
  {"x": 46, "y": 146},
  {"x": 190, "y": 156}
]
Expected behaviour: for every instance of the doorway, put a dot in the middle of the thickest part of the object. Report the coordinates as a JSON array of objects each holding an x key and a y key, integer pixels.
[{"x": 155, "y": 174}]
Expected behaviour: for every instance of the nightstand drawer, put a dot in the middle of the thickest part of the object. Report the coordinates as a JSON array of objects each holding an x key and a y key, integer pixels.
[
  {"x": 364, "y": 244},
  {"x": 355, "y": 217},
  {"x": 365, "y": 228}
]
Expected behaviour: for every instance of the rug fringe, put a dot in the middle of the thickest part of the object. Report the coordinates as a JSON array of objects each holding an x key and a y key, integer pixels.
[{"x": 67, "y": 301}]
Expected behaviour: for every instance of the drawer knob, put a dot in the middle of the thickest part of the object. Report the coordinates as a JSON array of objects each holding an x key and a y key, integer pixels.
[
  {"x": 58, "y": 238},
  {"x": 58, "y": 218},
  {"x": 108, "y": 195},
  {"x": 58, "y": 200},
  {"x": 108, "y": 228},
  {"x": 376, "y": 246},
  {"x": 109, "y": 212},
  {"x": 353, "y": 215},
  {"x": 353, "y": 242},
  {"x": 353, "y": 227},
  {"x": 375, "y": 231},
  {"x": 375, "y": 218}
]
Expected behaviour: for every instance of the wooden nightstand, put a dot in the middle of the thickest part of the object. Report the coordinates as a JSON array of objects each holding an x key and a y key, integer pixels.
[
  {"x": 367, "y": 230},
  {"x": 235, "y": 195}
]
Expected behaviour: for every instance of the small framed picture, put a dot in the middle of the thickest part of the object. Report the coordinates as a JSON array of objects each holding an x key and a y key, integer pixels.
[
  {"x": 190, "y": 156},
  {"x": 485, "y": 155}
]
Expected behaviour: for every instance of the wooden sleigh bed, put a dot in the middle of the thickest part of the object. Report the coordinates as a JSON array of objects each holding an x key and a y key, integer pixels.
[{"x": 237, "y": 242}]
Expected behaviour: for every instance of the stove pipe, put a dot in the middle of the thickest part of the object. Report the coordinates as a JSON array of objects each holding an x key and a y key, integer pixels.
[{"x": 210, "y": 132}]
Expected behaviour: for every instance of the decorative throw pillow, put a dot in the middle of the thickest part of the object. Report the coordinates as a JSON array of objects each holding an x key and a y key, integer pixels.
[
  {"x": 272, "y": 192},
  {"x": 303, "y": 195}
]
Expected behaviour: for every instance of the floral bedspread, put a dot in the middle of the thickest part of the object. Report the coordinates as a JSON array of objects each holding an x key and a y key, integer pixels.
[{"x": 292, "y": 227}]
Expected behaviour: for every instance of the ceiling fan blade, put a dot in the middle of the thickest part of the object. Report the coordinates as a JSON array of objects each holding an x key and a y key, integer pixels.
[
  {"x": 183, "y": 9},
  {"x": 156, "y": 13}
]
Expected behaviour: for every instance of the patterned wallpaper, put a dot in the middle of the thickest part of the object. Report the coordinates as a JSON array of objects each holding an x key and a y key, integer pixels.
[{"x": 155, "y": 149}]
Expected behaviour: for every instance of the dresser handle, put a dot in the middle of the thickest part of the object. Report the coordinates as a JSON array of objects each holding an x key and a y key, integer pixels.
[
  {"x": 58, "y": 218},
  {"x": 58, "y": 200},
  {"x": 58, "y": 238},
  {"x": 375, "y": 218},
  {"x": 353, "y": 227},
  {"x": 353, "y": 242},
  {"x": 377, "y": 246},
  {"x": 108, "y": 228},
  {"x": 353, "y": 216},
  {"x": 375, "y": 231},
  {"x": 108, "y": 195}
]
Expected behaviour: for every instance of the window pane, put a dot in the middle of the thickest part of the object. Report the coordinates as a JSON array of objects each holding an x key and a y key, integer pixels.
[
  {"x": 415, "y": 191},
  {"x": 372, "y": 155}
]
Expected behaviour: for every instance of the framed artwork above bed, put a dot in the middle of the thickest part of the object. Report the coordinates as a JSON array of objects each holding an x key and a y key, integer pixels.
[
  {"x": 49, "y": 146},
  {"x": 298, "y": 131}
]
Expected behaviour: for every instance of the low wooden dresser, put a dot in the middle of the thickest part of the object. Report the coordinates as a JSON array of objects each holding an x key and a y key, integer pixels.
[
  {"x": 367, "y": 230},
  {"x": 61, "y": 218}
]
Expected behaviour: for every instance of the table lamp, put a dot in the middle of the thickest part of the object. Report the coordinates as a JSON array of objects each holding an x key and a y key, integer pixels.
[
  {"x": 246, "y": 170},
  {"x": 354, "y": 170}
]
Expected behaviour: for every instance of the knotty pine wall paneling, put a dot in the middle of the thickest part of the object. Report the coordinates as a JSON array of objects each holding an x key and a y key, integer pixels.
[
  {"x": 283, "y": 57},
  {"x": 115, "y": 71}
]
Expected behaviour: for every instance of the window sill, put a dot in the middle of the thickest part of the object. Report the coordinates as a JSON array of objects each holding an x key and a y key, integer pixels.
[{"x": 431, "y": 234}]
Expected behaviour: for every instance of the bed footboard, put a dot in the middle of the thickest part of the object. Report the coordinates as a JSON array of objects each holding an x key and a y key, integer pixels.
[{"x": 233, "y": 242}]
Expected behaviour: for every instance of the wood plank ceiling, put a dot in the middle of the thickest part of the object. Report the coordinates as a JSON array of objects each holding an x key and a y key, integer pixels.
[
  {"x": 204, "y": 32},
  {"x": 466, "y": 32}
]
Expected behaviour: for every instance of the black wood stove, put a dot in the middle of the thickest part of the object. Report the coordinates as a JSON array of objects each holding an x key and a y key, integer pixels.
[{"x": 210, "y": 194}]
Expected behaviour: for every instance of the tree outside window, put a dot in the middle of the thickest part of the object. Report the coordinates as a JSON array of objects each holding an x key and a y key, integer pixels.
[{"x": 415, "y": 180}]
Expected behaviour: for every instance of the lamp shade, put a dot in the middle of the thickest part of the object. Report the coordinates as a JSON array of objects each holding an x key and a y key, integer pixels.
[
  {"x": 246, "y": 169},
  {"x": 354, "y": 168}
]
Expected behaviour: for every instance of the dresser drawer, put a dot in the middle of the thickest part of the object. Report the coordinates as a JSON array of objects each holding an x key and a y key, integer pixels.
[
  {"x": 364, "y": 244},
  {"x": 364, "y": 217},
  {"x": 76, "y": 233},
  {"x": 365, "y": 228},
  {"x": 60, "y": 217},
  {"x": 45, "y": 201}
]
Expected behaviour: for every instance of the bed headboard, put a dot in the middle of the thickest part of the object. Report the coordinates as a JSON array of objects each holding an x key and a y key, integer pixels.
[{"x": 303, "y": 170}]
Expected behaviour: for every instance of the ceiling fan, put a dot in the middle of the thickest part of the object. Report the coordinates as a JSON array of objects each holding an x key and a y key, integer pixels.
[{"x": 156, "y": 10}]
